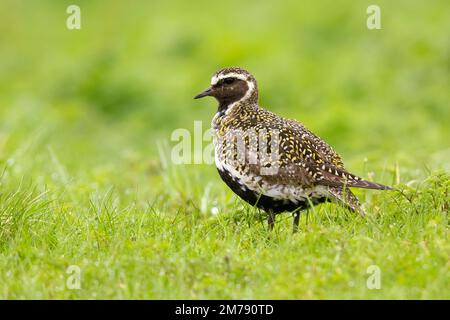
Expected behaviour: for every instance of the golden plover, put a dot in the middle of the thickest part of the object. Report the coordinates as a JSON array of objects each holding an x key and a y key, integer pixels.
[{"x": 274, "y": 163}]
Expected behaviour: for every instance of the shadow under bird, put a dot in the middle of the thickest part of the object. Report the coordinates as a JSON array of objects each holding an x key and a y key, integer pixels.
[{"x": 273, "y": 163}]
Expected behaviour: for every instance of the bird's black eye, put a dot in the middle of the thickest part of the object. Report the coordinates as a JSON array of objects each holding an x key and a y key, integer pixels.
[{"x": 228, "y": 80}]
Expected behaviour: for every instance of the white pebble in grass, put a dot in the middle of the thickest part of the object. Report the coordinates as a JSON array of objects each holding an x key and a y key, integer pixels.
[{"x": 214, "y": 211}]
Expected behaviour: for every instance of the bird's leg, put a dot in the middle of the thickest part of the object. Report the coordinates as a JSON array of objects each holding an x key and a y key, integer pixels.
[
  {"x": 296, "y": 222},
  {"x": 271, "y": 219}
]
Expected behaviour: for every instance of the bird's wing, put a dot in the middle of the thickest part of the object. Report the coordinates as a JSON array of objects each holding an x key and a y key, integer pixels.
[
  {"x": 303, "y": 159},
  {"x": 337, "y": 177},
  {"x": 321, "y": 146}
]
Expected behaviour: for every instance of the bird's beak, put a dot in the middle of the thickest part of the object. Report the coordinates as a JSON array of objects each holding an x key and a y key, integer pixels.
[{"x": 205, "y": 93}]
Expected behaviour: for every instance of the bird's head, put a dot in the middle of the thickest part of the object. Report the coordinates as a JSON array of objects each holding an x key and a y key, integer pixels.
[{"x": 231, "y": 85}]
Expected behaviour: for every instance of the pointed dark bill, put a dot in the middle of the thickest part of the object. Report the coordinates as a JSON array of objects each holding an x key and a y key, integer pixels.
[{"x": 205, "y": 93}]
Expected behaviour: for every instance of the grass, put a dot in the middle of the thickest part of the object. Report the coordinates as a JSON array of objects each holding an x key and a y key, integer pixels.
[{"x": 83, "y": 183}]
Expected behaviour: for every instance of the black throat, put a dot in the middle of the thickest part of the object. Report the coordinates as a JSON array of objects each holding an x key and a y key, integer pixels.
[{"x": 223, "y": 106}]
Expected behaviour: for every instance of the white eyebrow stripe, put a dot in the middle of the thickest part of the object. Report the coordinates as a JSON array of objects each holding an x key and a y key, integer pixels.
[{"x": 217, "y": 78}]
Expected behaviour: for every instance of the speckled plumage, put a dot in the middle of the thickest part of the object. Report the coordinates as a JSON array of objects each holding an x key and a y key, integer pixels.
[{"x": 274, "y": 163}]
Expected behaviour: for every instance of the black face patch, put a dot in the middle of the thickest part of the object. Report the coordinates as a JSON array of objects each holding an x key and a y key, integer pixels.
[{"x": 229, "y": 90}]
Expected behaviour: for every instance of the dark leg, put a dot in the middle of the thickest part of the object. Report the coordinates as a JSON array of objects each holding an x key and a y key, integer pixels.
[
  {"x": 296, "y": 222},
  {"x": 271, "y": 219}
]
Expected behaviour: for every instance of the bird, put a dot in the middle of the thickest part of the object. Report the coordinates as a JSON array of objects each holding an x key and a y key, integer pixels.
[{"x": 274, "y": 163}]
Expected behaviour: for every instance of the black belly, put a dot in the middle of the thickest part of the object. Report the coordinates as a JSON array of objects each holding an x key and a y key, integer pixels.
[{"x": 264, "y": 202}]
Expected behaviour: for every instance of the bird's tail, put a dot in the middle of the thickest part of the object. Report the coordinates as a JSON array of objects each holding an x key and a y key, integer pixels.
[
  {"x": 346, "y": 198},
  {"x": 367, "y": 185},
  {"x": 338, "y": 177}
]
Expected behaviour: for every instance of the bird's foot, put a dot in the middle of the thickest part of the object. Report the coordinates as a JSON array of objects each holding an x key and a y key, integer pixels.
[
  {"x": 296, "y": 222},
  {"x": 271, "y": 220}
]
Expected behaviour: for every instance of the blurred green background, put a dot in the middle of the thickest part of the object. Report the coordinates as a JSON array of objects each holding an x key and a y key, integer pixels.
[
  {"x": 127, "y": 78},
  {"x": 83, "y": 111}
]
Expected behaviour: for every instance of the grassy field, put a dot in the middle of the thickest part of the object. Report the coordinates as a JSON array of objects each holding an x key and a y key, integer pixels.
[{"x": 85, "y": 123}]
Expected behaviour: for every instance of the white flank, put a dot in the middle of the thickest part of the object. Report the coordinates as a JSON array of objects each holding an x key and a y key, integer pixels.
[{"x": 292, "y": 193}]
